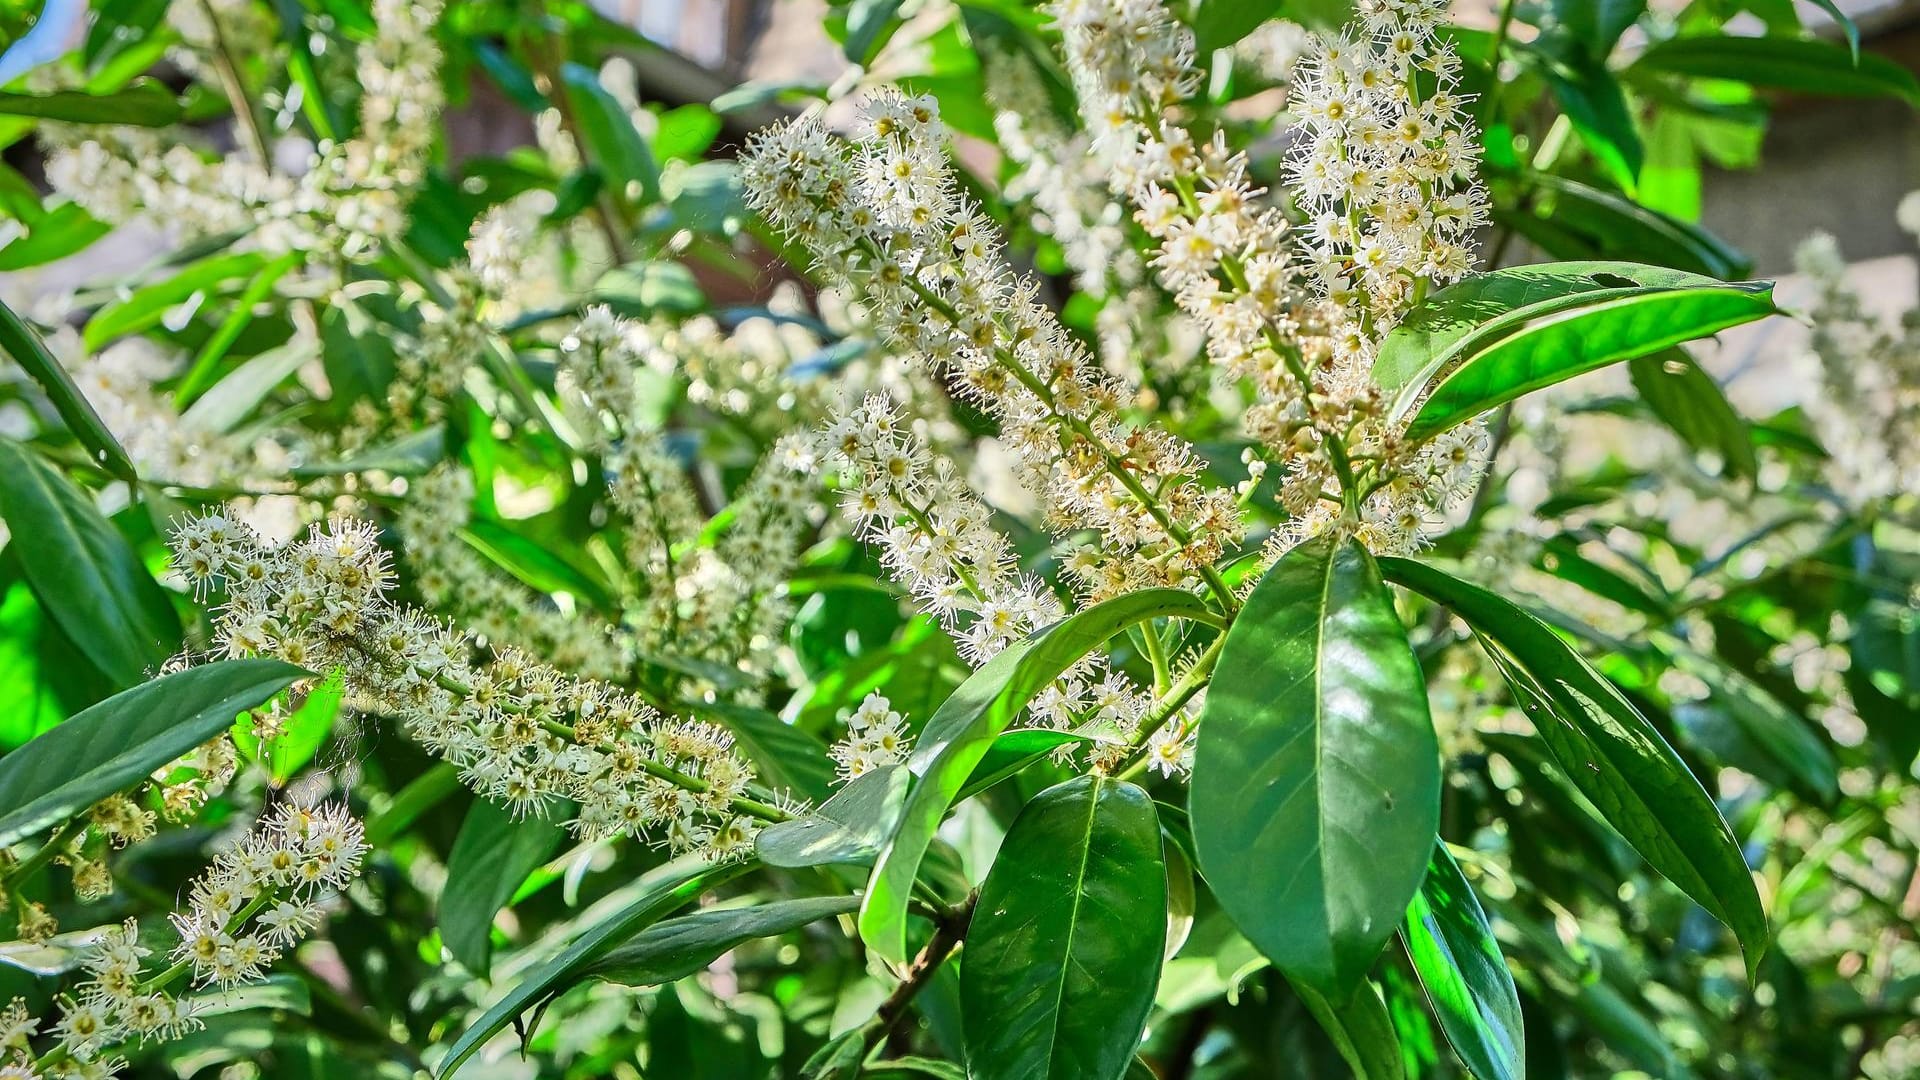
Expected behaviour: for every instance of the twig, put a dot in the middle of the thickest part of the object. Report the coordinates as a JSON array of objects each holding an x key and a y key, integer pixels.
[{"x": 949, "y": 929}]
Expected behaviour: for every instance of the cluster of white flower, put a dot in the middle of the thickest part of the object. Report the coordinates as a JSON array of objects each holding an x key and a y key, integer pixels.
[
  {"x": 885, "y": 216},
  {"x": 1383, "y": 171},
  {"x": 938, "y": 540},
  {"x": 1385, "y": 177},
  {"x": 1869, "y": 405},
  {"x": 876, "y": 738},
  {"x": 1063, "y": 180},
  {"x": 522, "y": 732},
  {"x": 722, "y": 603},
  {"x": 352, "y": 193},
  {"x": 256, "y": 901}
]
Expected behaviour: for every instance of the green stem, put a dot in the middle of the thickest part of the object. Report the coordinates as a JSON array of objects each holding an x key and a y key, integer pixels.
[{"x": 57, "y": 845}]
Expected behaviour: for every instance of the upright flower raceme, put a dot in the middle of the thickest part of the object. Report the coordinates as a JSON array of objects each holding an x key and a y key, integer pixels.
[
  {"x": 1869, "y": 405},
  {"x": 1384, "y": 177},
  {"x": 523, "y": 733},
  {"x": 884, "y": 216}
]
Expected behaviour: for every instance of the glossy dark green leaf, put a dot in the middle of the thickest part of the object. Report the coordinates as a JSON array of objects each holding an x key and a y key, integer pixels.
[
  {"x": 851, "y": 827},
  {"x": 1467, "y": 982},
  {"x": 1687, "y": 400},
  {"x": 671, "y": 887},
  {"x": 120, "y": 742},
  {"x": 1572, "y": 220},
  {"x": 1316, "y": 778},
  {"x": 1361, "y": 1030},
  {"x": 1063, "y": 954},
  {"x": 963, "y": 729},
  {"x": 1013, "y": 751},
  {"x": 491, "y": 857},
  {"x": 1781, "y": 63},
  {"x": 142, "y": 103},
  {"x": 85, "y": 574},
  {"x": 1497, "y": 336},
  {"x": 25, "y": 348},
  {"x": 687, "y": 945},
  {"x": 1610, "y": 752},
  {"x": 1593, "y": 102}
]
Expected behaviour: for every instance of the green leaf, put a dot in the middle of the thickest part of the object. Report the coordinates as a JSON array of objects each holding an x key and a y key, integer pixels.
[
  {"x": 1063, "y": 953},
  {"x": 1217, "y": 24},
  {"x": 1361, "y": 1030},
  {"x": 55, "y": 233},
  {"x": 83, "y": 571},
  {"x": 1803, "y": 65},
  {"x": 281, "y": 993},
  {"x": 1013, "y": 751},
  {"x": 1571, "y": 220},
  {"x": 962, "y": 730},
  {"x": 1847, "y": 26},
  {"x": 645, "y": 288},
  {"x": 1687, "y": 400},
  {"x": 491, "y": 857},
  {"x": 685, "y": 133},
  {"x": 358, "y": 354},
  {"x": 616, "y": 146},
  {"x": 1499, "y": 335},
  {"x": 870, "y": 24},
  {"x": 1594, "y": 103},
  {"x": 301, "y": 735},
  {"x": 1611, "y": 753},
  {"x": 673, "y": 885},
  {"x": 537, "y": 565},
  {"x": 146, "y": 306},
  {"x": 142, "y": 103},
  {"x": 851, "y": 827},
  {"x": 25, "y": 348},
  {"x": 688, "y": 945},
  {"x": 1459, "y": 964},
  {"x": 121, "y": 741},
  {"x": 233, "y": 399},
  {"x": 1316, "y": 779}
]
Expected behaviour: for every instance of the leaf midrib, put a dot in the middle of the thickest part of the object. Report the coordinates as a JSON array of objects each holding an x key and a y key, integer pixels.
[{"x": 1073, "y": 921}]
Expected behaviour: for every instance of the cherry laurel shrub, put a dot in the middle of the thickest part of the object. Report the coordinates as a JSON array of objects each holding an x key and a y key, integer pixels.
[{"x": 1043, "y": 559}]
